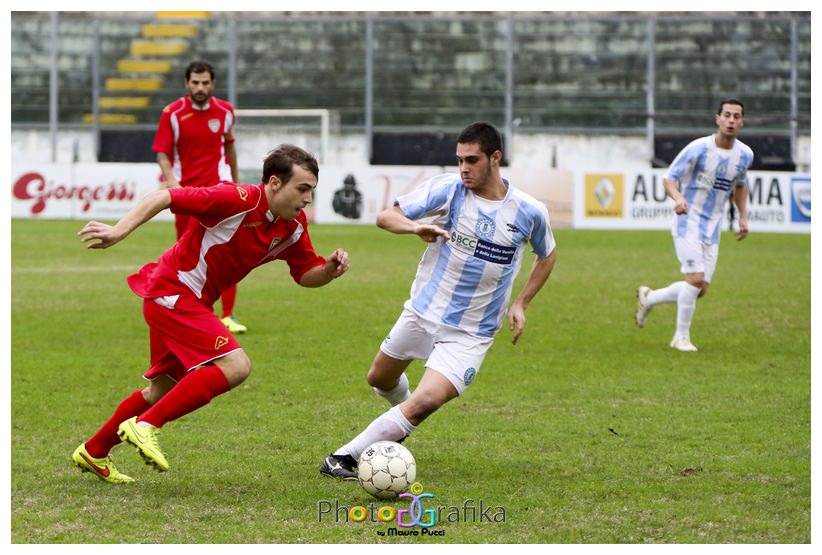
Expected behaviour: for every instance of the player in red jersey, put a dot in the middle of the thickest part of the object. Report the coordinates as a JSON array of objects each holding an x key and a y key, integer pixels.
[
  {"x": 194, "y": 358},
  {"x": 195, "y": 148}
]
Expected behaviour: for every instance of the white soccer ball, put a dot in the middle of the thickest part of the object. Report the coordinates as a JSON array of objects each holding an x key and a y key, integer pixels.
[{"x": 386, "y": 469}]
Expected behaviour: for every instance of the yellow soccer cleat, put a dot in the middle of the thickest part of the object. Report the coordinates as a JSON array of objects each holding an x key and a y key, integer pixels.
[
  {"x": 144, "y": 438},
  {"x": 102, "y": 468},
  {"x": 233, "y": 325}
]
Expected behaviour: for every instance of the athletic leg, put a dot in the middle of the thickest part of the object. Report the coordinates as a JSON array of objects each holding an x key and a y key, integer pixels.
[{"x": 387, "y": 377}]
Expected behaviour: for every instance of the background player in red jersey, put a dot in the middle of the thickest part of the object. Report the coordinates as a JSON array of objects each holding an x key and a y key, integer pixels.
[
  {"x": 194, "y": 358},
  {"x": 195, "y": 148}
]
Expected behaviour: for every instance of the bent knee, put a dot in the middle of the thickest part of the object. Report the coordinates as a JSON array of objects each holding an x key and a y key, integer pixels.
[
  {"x": 237, "y": 368},
  {"x": 381, "y": 379},
  {"x": 375, "y": 378},
  {"x": 700, "y": 284},
  {"x": 419, "y": 408}
]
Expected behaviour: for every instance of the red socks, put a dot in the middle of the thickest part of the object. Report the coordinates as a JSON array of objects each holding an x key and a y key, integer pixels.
[
  {"x": 227, "y": 299},
  {"x": 192, "y": 392},
  {"x": 106, "y": 438}
]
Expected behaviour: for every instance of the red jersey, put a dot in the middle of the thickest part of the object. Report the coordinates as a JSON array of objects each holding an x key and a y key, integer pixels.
[
  {"x": 194, "y": 140},
  {"x": 234, "y": 234}
]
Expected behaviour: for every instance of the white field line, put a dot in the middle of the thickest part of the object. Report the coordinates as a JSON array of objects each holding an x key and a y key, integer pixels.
[{"x": 73, "y": 269}]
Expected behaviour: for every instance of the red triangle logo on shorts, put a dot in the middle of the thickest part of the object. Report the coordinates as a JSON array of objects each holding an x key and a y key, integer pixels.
[{"x": 220, "y": 342}]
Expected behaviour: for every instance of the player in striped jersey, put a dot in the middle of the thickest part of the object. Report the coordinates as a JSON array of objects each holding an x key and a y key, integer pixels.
[
  {"x": 478, "y": 227},
  {"x": 709, "y": 170}
]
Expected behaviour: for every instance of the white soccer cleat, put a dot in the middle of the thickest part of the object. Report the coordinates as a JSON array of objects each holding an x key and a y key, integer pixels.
[
  {"x": 642, "y": 306},
  {"x": 682, "y": 343}
]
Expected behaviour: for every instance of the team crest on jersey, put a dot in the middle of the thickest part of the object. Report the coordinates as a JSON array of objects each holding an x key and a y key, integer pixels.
[
  {"x": 220, "y": 342},
  {"x": 214, "y": 125},
  {"x": 485, "y": 228},
  {"x": 243, "y": 193},
  {"x": 275, "y": 242}
]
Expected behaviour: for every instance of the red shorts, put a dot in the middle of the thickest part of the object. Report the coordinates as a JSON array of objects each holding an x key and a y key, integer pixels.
[{"x": 183, "y": 334}]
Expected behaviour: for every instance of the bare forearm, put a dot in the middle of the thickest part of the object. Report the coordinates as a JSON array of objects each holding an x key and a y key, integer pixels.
[
  {"x": 539, "y": 275},
  {"x": 672, "y": 189},
  {"x": 741, "y": 201},
  {"x": 393, "y": 220},
  {"x": 99, "y": 235},
  {"x": 315, "y": 277},
  {"x": 231, "y": 156},
  {"x": 336, "y": 264},
  {"x": 151, "y": 205},
  {"x": 166, "y": 169}
]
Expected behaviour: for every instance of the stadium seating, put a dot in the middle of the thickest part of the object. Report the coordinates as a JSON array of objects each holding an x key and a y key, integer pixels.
[{"x": 567, "y": 73}]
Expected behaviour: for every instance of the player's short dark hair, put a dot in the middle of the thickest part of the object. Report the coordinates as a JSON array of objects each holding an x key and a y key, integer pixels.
[
  {"x": 730, "y": 101},
  {"x": 485, "y": 134},
  {"x": 280, "y": 162},
  {"x": 199, "y": 66}
]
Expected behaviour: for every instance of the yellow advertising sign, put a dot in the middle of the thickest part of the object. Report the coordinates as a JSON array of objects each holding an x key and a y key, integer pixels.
[{"x": 604, "y": 194}]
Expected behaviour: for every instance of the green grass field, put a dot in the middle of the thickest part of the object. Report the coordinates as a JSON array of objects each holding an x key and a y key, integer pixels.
[{"x": 588, "y": 431}]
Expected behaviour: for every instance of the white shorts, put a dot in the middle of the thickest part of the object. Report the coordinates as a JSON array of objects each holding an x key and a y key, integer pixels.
[
  {"x": 696, "y": 257},
  {"x": 455, "y": 354}
]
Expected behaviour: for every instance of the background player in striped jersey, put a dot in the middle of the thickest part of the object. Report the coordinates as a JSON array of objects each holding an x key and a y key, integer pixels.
[
  {"x": 195, "y": 148},
  {"x": 194, "y": 358},
  {"x": 709, "y": 170},
  {"x": 479, "y": 228}
]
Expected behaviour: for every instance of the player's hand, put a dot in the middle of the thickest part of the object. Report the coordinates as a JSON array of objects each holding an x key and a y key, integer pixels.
[
  {"x": 430, "y": 233},
  {"x": 106, "y": 235},
  {"x": 743, "y": 229},
  {"x": 336, "y": 264},
  {"x": 516, "y": 321},
  {"x": 681, "y": 206}
]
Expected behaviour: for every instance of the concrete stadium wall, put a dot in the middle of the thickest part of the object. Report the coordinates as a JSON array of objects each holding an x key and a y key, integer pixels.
[{"x": 567, "y": 152}]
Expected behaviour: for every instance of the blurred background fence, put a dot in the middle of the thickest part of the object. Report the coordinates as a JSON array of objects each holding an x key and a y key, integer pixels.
[{"x": 407, "y": 82}]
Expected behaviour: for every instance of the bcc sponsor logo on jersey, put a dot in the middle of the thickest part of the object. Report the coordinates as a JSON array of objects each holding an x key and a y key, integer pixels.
[{"x": 463, "y": 243}]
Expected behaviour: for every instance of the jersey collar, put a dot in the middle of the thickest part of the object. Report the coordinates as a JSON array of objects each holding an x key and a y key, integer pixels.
[{"x": 205, "y": 107}]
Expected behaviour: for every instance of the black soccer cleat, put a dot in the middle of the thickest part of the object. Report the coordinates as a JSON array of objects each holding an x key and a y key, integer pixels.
[{"x": 339, "y": 466}]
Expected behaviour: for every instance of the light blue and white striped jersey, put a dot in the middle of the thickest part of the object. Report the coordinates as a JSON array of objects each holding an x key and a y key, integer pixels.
[
  {"x": 706, "y": 175},
  {"x": 466, "y": 282}
]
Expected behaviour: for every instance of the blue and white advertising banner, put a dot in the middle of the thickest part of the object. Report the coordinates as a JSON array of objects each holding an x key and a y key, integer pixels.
[{"x": 777, "y": 201}]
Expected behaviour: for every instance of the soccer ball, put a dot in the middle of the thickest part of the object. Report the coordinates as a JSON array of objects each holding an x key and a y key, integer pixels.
[{"x": 386, "y": 469}]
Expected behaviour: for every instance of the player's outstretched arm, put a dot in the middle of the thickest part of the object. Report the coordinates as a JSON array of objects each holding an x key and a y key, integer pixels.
[
  {"x": 336, "y": 264},
  {"x": 539, "y": 275},
  {"x": 393, "y": 220},
  {"x": 108, "y": 235}
]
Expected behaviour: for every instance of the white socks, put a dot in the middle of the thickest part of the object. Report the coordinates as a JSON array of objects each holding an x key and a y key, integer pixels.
[
  {"x": 389, "y": 426},
  {"x": 668, "y": 294},
  {"x": 398, "y": 394},
  {"x": 685, "y": 306}
]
